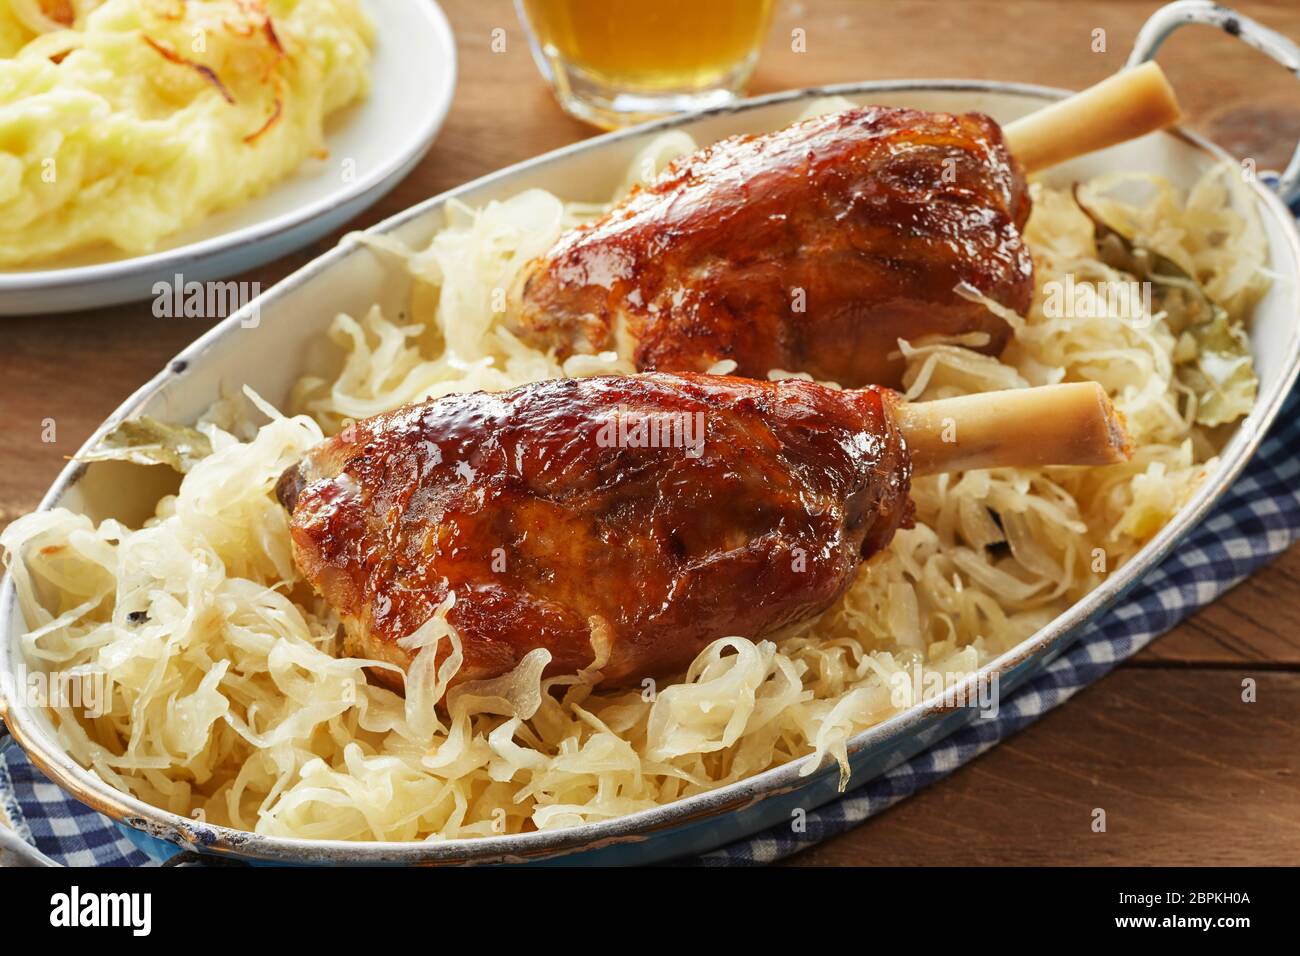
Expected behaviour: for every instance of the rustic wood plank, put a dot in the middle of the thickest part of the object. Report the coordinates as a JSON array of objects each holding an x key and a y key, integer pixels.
[
  {"x": 1256, "y": 622},
  {"x": 1185, "y": 771},
  {"x": 1122, "y": 744}
]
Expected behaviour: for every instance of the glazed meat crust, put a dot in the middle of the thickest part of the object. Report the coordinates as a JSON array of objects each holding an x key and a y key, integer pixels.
[
  {"x": 814, "y": 249},
  {"x": 556, "y": 521}
]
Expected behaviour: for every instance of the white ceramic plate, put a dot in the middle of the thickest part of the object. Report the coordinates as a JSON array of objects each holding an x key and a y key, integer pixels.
[
  {"x": 293, "y": 317},
  {"x": 413, "y": 76}
]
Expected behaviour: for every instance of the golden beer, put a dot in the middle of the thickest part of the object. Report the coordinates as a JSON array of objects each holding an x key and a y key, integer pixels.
[{"x": 613, "y": 62}]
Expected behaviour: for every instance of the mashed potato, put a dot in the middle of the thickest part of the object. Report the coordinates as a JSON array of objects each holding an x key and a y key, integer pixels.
[{"x": 145, "y": 116}]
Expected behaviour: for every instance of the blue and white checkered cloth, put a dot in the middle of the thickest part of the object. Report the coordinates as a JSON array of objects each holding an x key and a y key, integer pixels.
[{"x": 1256, "y": 520}]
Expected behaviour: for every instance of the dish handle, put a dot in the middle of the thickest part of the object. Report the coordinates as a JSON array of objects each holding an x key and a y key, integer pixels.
[{"x": 1174, "y": 15}]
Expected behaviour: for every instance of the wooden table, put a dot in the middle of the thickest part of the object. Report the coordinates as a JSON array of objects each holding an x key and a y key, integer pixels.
[{"x": 1186, "y": 772}]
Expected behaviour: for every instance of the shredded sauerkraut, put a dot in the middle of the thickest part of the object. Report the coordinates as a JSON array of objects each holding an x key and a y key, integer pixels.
[{"x": 226, "y": 699}]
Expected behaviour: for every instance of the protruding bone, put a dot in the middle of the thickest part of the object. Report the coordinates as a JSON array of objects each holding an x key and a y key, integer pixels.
[
  {"x": 1072, "y": 424},
  {"x": 1125, "y": 106}
]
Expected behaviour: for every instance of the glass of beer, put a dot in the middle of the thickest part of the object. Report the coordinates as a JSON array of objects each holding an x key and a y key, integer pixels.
[{"x": 618, "y": 62}]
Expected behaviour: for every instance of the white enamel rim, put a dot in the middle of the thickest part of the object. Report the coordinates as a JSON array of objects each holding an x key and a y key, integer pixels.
[{"x": 642, "y": 825}]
